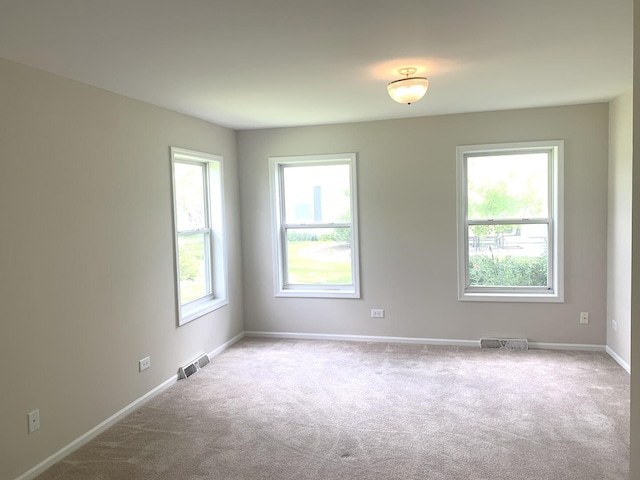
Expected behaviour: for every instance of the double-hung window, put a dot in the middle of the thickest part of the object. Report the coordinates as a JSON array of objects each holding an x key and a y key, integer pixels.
[
  {"x": 315, "y": 233},
  {"x": 199, "y": 233},
  {"x": 510, "y": 222}
]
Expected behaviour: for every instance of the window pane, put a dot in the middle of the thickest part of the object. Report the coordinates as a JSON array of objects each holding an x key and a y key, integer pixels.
[
  {"x": 508, "y": 186},
  {"x": 189, "y": 180},
  {"x": 193, "y": 251},
  {"x": 319, "y": 256},
  {"x": 317, "y": 194},
  {"x": 508, "y": 255}
]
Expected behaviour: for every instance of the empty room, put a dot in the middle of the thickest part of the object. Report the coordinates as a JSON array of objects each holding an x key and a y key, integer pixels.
[{"x": 277, "y": 239}]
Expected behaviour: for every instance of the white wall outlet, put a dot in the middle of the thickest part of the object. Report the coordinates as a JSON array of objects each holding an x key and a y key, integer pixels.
[
  {"x": 584, "y": 317},
  {"x": 34, "y": 421},
  {"x": 377, "y": 313},
  {"x": 145, "y": 363},
  {"x": 614, "y": 325}
]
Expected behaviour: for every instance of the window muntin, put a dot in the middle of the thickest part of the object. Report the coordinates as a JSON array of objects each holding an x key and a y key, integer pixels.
[
  {"x": 509, "y": 222},
  {"x": 199, "y": 233},
  {"x": 315, "y": 237}
]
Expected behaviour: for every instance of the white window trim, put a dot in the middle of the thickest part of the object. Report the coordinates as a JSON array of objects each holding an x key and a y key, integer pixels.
[
  {"x": 279, "y": 255},
  {"x": 556, "y": 198},
  {"x": 218, "y": 256}
]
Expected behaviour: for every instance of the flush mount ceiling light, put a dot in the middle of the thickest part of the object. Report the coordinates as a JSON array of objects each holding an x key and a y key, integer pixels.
[{"x": 410, "y": 89}]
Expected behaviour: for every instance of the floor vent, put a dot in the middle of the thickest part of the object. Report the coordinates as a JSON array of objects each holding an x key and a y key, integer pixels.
[
  {"x": 203, "y": 360},
  {"x": 192, "y": 367},
  {"x": 506, "y": 343}
]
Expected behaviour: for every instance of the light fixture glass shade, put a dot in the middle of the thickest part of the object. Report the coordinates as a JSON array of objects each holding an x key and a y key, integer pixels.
[{"x": 408, "y": 90}]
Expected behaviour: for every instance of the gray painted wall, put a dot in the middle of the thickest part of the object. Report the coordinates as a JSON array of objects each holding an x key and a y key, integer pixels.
[
  {"x": 87, "y": 285},
  {"x": 407, "y": 215}
]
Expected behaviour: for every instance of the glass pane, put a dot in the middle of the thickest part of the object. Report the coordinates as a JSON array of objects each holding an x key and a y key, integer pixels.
[
  {"x": 319, "y": 256},
  {"x": 317, "y": 194},
  {"x": 508, "y": 186},
  {"x": 189, "y": 180},
  {"x": 508, "y": 255},
  {"x": 193, "y": 251}
]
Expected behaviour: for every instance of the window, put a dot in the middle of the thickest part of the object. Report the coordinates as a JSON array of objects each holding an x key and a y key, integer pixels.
[
  {"x": 510, "y": 222},
  {"x": 199, "y": 233},
  {"x": 315, "y": 226}
]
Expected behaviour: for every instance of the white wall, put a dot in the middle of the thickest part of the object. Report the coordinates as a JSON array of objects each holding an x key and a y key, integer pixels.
[
  {"x": 619, "y": 226},
  {"x": 634, "y": 453},
  {"x": 407, "y": 202},
  {"x": 86, "y": 257}
]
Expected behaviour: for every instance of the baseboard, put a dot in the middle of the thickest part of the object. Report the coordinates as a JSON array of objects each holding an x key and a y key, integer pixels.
[
  {"x": 424, "y": 341},
  {"x": 583, "y": 347},
  {"x": 365, "y": 338},
  {"x": 113, "y": 419},
  {"x": 619, "y": 359}
]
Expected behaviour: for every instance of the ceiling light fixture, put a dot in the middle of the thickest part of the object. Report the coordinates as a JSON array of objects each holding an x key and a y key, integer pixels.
[{"x": 410, "y": 89}]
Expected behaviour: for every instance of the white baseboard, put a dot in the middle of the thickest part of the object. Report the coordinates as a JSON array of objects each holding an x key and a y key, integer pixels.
[
  {"x": 619, "y": 359},
  {"x": 365, "y": 338},
  {"x": 424, "y": 341},
  {"x": 113, "y": 419},
  {"x": 583, "y": 347}
]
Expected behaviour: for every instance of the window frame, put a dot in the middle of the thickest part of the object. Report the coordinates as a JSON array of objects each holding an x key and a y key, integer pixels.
[
  {"x": 554, "y": 291},
  {"x": 279, "y": 228},
  {"x": 216, "y": 263}
]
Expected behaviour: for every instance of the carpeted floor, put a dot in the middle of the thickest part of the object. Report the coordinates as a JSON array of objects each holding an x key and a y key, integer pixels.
[{"x": 303, "y": 409}]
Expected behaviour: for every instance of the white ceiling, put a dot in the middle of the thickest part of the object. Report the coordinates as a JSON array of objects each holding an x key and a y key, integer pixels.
[{"x": 269, "y": 63}]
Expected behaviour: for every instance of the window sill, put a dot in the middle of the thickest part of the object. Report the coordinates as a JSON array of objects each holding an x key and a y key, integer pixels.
[
  {"x": 200, "y": 308},
  {"x": 515, "y": 297},
  {"x": 295, "y": 293}
]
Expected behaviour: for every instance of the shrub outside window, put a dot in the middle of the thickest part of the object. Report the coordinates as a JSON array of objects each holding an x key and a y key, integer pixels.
[
  {"x": 510, "y": 228},
  {"x": 199, "y": 233},
  {"x": 315, "y": 225}
]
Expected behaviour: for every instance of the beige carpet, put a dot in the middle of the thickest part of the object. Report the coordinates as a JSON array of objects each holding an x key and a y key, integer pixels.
[{"x": 298, "y": 410}]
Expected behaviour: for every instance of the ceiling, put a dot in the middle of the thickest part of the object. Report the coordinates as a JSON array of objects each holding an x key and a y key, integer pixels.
[{"x": 249, "y": 64}]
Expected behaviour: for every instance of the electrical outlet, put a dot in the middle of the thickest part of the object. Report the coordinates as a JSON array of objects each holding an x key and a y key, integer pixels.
[
  {"x": 614, "y": 325},
  {"x": 34, "y": 421},
  {"x": 377, "y": 313},
  {"x": 584, "y": 317},
  {"x": 145, "y": 363}
]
